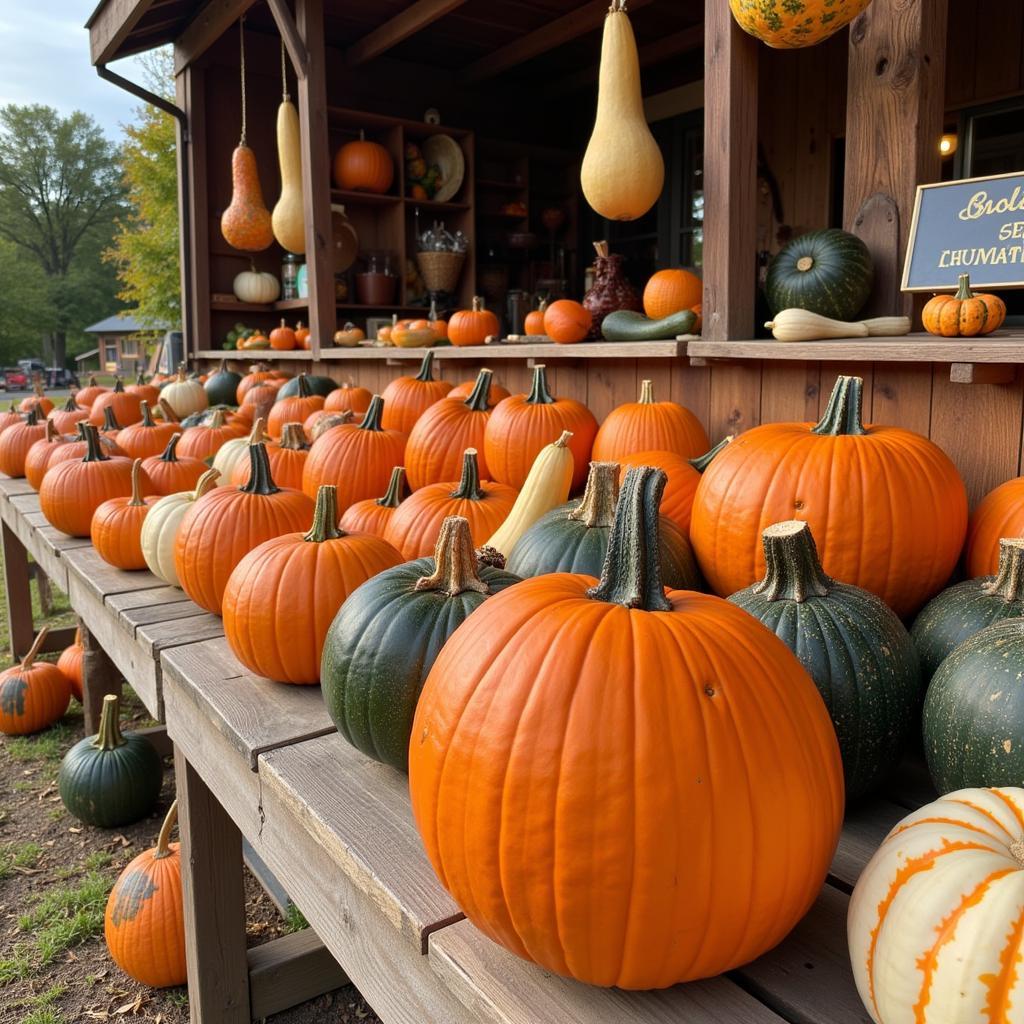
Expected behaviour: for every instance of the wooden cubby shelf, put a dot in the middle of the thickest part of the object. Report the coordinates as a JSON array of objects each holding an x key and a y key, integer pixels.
[
  {"x": 281, "y": 306},
  {"x": 347, "y": 198},
  {"x": 541, "y": 351},
  {"x": 259, "y": 355}
]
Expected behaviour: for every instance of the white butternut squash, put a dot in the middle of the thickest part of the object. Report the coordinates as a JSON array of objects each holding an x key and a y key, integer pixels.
[
  {"x": 287, "y": 219},
  {"x": 887, "y": 326},
  {"x": 803, "y": 325},
  {"x": 160, "y": 527},
  {"x": 623, "y": 170}
]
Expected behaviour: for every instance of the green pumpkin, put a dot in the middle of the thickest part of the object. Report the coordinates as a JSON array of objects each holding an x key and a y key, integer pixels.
[
  {"x": 574, "y": 537},
  {"x": 322, "y": 386},
  {"x": 828, "y": 272},
  {"x": 222, "y": 385},
  {"x": 386, "y": 636},
  {"x": 974, "y": 711},
  {"x": 852, "y": 645},
  {"x": 111, "y": 779},
  {"x": 961, "y": 611}
]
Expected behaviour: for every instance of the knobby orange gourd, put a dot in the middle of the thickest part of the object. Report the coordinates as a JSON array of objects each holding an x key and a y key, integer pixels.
[{"x": 540, "y": 715}]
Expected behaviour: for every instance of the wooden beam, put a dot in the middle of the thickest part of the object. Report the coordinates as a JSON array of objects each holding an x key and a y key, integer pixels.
[
  {"x": 290, "y": 34},
  {"x": 18, "y": 593},
  {"x": 730, "y": 175},
  {"x": 894, "y": 119},
  {"x": 413, "y": 19},
  {"x": 290, "y": 970},
  {"x": 111, "y": 25},
  {"x": 205, "y": 29},
  {"x": 587, "y": 18}
]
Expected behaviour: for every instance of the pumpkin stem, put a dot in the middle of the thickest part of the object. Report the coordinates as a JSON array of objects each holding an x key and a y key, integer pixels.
[
  {"x": 32, "y": 416},
  {"x": 109, "y": 737},
  {"x": 426, "y": 367},
  {"x": 303, "y": 382},
  {"x": 51, "y": 432},
  {"x": 140, "y": 379},
  {"x": 1017, "y": 850},
  {"x": 804, "y": 264},
  {"x": 70, "y": 405},
  {"x": 169, "y": 414},
  {"x": 29, "y": 660},
  {"x": 646, "y": 392},
  {"x": 374, "y": 411},
  {"x": 396, "y": 489},
  {"x": 963, "y": 292},
  {"x": 207, "y": 482},
  {"x": 293, "y": 437},
  {"x": 597, "y": 509},
  {"x": 259, "y": 431},
  {"x": 1008, "y": 583},
  {"x": 325, "y": 516},
  {"x": 477, "y": 400},
  {"x": 93, "y": 451},
  {"x": 539, "y": 394},
  {"x": 701, "y": 462},
  {"x": 632, "y": 567},
  {"x": 170, "y": 453},
  {"x": 455, "y": 567},
  {"x": 147, "y": 418},
  {"x": 843, "y": 412},
  {"x": 163, "y": 842},
  {"x": 793, "y": 571},
  {"x": 136, "y": 498},
  {"x": 469, "y": 486},
  {"x": 118, "y": 386},
  {"x": 109, "y": 419},
  {"x": 260, "y": 480}
]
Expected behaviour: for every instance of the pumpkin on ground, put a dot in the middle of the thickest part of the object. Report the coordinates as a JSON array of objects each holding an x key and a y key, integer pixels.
[
  {"x": 887, "y": 505},
  {"x": 160, "y": 528},
  {"x": 349, "y": 398},
  {"x": 796, "y": 23},
  {"x": 999, "y": 514},
  {"x": 523, "y": 424},
  {"x": 112, "y": 778},
  {"x": 307, "y": 575},
  {"x": 225, "y": 524},
  {"x": 147, "y": 437},
  {"x": 168, "y": 473},
  {"x": 125, "y": 407},
  {"x": 567, "y": 322},
  {"x": 221, "y": 386},
  {"x": 372, "y": 515},
  {"x": 70, "y": 663},
  {"x": 416, "y": 524},
  {"x": 15, "y": 442},
  {"x": 407, "y": 398},
  {"x": 934, "y": 924},
  {"x": 33, "y": 694},
  {"x": 964, "y": 314},
  {"x": 537, "y": 720},
  {"x": 856, "y": 650},
  {"x": 384, "y": 640},
  {"x": 287, "y": 459},
  {"x": 294, "y": 409},
  {"x": 203, "y": 442},
  {"x": 647, "y": 425},
  {"x": 117, "y": 526},
  {"x": 574, "y": 537},
  {"x": 671, "y": 291},
  {"x": 37, "y": 458},
  {"x": 144, "y": 923},
  {"x": 473, "y": 326},
  {"x": 66, "y": 417}
]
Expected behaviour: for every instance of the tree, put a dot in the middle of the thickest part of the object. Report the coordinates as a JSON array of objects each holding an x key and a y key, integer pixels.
[{"x": 60, "y": 188}]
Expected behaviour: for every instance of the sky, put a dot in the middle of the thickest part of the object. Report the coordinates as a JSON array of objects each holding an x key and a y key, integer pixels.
[{"x": 44, "y": 58}]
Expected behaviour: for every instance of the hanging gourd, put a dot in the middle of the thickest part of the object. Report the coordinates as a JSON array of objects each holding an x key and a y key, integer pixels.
[
  {"x": 794, "y": 24},
  {"x": 170, "y": 473},
  {"x": 287, "y": 218},
  {"x": 623, "y": 171},
  {"x": 246, "y": 223},
  {"x": 34, "y": 694},
  {"x": 647, "y": 425},
  {"x": 161, "y": 527},
  {"x": 372, "y": 515},
  {"x": 408, "y": 398}
]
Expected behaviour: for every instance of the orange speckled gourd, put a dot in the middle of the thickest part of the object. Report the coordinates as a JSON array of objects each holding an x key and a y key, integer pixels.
[{"x": 246, "y": 223}]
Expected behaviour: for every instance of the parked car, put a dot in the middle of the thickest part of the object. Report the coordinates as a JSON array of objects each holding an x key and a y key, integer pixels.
[{"x": 14, "y": 378}]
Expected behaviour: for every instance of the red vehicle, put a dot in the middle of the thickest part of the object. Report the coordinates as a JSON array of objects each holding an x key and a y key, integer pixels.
[{"x": 14, "y": 378}]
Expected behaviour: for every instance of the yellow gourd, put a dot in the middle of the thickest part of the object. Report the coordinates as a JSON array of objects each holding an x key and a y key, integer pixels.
[
  {"x": 546, "y": 487},
  {"x": 803, "y": 325},
  {"x": 623, "y": 171},
  {"x": 289, "y": 225}
]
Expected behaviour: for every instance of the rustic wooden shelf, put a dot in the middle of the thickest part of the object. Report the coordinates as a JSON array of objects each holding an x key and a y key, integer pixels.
[
  {"x": 356, "y": 307},
  {"x": 348, "y": 197},
  {"x": 541, "y": 351},
  {"x": 261, "y": 355},
  {"x": 433, "y": 204},
  {"x": 281, "y": 306}
]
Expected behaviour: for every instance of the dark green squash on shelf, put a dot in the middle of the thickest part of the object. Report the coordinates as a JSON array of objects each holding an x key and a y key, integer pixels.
[
  {"x": 853, "y": 646},
  {"x": 626, "y": 325},
  {"x": 222, "y": 385}
]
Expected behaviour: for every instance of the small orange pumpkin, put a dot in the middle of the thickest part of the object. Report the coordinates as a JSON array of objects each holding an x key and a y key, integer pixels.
[
  {"x": 38, "y": 401},
  {"x": 473, "y": 326},
  {"x": 364, "y": 166},
  {"x": 147, "y": 437},
  {"x": 349, "y": 398},
  {"x": 126, "y": 407},
  {"x": 70, "y": 663},
  {"x": 117, "y": 526},
  {"x": 302, "y": 336},
  {"x": 37, "y": 459},
  {"x": 349, "y": 336},
  {"x": 170, "y": 473},
  {"x": 16, "y": 441},
  {"x": 964, "y": 314},
  {"x": 294, "y": 409},
  {"x": 287, "y": 459},
  {"x": 150, "y": 392},
  {"x": 33, "y": 695},
  {"x": 65, "y": 418},
  {"x": 407, "y": 398},
  {"x": 282, "y": 338},
  {"x": 204, "y": 441},
  {"x": 567, "y": 322},
  {"x": 534, "y": 323},
  {"x": 87, "y": 395},
  {"x": 671, "y": 291}
]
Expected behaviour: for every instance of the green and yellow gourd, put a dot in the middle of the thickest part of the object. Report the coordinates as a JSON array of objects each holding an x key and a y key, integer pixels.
[
  {"x": 853, "y": 646},
  {"x": 287, "y": 218},
  {"x": 627, "y": 325}
]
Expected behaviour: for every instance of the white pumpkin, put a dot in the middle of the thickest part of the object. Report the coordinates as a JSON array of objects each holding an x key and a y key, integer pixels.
[
  {"x": 256, "y": 286},
  {"x": 184, "y": 395},
  {"x": 936, "y": 921},
  {"x": 232, "y": 453},
  {"x": 160, "y": 527}
]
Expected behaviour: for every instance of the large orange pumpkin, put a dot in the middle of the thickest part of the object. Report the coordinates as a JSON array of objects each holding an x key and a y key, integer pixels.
[
  {"x": 887, "y": 505},
  {"x": 627, "y": 786},
  {"x": 309, "y": 574},
  {"x": 259, "y": 374},
  {"x": 372, "y": 515},
  {"x": 647, "y": 425},
  {"x": 295, "y": 409},
  {"x": 33, "y": 695},
  {"x": 349, "y": 398},
  {"x": 523, "y": 424},
  {"x": 567, "y": 322},
  {"x": 76, "y": 449},
  {"x": 37, "y": 459},
  {"x": 473, "y": 326},
  {"x": 168, "y": 473},
  {"x": 66, "y": 417},
  {"x": 363, "y": 166},
  {"x": 70, "y": 663},
  {"x": 287, "y": 459},
  {"x": 117, "y": 526},
  {"x": 407, "y": 398},
  {"x": 16, "y": 440},
  {"x": 999, "y": 514},
  {"x": 147, "y": 392},
  {"x": 147, "y": 437},
  {"x": 416, "y": 524},
  {"x": 671, "y": 291},
  {"x": 258, "y": 401},
  {"x": 87, "y": 395},
  {"x": 125, "y": 407}
]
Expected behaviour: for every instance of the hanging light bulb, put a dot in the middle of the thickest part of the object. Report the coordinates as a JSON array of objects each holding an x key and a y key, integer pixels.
[{"x": 948, "y": 144}]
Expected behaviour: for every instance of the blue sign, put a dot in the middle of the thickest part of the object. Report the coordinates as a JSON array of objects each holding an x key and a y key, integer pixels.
[{"x": 974, "y": 226}]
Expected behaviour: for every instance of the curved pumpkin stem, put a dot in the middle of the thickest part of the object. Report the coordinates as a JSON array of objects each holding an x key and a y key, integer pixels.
[
  {"x": 426, "y": 367},
  {"x": 469, "y": 486},
  {"x": 169, "y": 414},
  {"x": 1009, "y": 580},
  {"x": 325, "y": 516},
  {"x": 51, "y": 432},
  {"x": 109, "y": 419},
  {"x": 147, "y": 417},
  {"x": 293, "y": 437},
  {"x": 843, "y": 412},
  {"x": 305, "y": 391},
  {"x": 136, "y": 498},
  {"x": 69, "y": 406},
  {"x": 216, "y": 421},
  {"x": 793, "y": 571},
  {"x": 632, "y": 568},
  {"x": 701, "y": 462},
  {"x": 455, "y": 566},
  {"x": 33, "y": 652},
  {"x": 597, "y": 509},
  {"x": 93, "y": 451},
  {"x": 170, "y": 453},
  {"x": 109, "y": 737},
  {"x": 396, "y": 489},
  {"x": 260, "y": 479},
  {"x": 206, "y": 483},
  {"x": 372, "y": 417},
  {"x": 163, "y": 842},
  {"x": 477, "y": 399},
  {"x": 539, "y": 393}
]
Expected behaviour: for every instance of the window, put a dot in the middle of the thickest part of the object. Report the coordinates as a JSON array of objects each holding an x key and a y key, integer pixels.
[
  {"x": 129, "y": 347},
  {"x": 110, "y": 352}
]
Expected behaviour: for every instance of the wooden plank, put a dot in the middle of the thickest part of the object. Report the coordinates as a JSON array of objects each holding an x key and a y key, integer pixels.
[
  {"x": 172, "y": 611},
  {"x": 111, "y": 24},
  {"x": 254, "y": 714},
  {"x": 668, "y": 349},
  {"x": 214, "y": 899},
  {"x": 157, "y": 736},
  {"x": 11, "y": 486},
  {"x": 789, "y": 392},
  {"x": 735, "y": 400},
  {"x": 981, "y": 373},
  {"x": 691, "y": 386},
  {"x": 902, "y": 397},
  {"x": 290, "y": 970},
  {"x": 911, "y": 786},
  {"x": 17, "y": 593},
  {"x": 610, "y": 385},
  {"x": 866, "y": 824},
  {"x": 205, "y": 29},
  {"x": 144, "y": 598},
  {"x": 155, "y": 637},
  {"x": 99, "y": 677},
  {"x": 103, "y": 579},
  {"x": 293, "y": 42},
  {"x": 499, "y": 988},
  {"x": 406, "y": 23}
]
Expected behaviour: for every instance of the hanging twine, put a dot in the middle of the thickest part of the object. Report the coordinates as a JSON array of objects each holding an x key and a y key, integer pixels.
[
  {"x": 241, "y": 48},
  {"x": 284, "y": 77}
]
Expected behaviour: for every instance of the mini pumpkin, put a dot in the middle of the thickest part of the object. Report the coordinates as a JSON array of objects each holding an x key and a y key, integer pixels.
[
  {"x": 203, "y": 442},
  {"x": 147, "y": 392},
  {"x": 185, "y": 395},
  {"x": 473, "y": 326},
  {"x": 964, "y": 314},
  {"x": 66, "y": 417},
  {"x": 363, "y": 166},
  {"x": 37, "y": 459},
  {"x": 534, "y": 322},
  {"x": 282, "y": 338},
  {"x": 671, "y": 291},
  {"x": 87, "y": 395},
  {"x": 295, "y": 409},
  {"x": 349, "y": 398},
  {"x": 567, "y": 322},
  {"x": 147, "y": 437}
]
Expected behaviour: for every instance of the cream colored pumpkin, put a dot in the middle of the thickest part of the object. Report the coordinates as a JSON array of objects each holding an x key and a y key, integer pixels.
[
  {"x": 160, "y": 527},
  {"x": 936, "y": 921},
  {"x": 623, "y": 170},
  {"x": 256, "y": 286},
  {"x": 287, "y": 219},
  {"x": 236, "y": 451},
  {"x": 184, "y": 396}
]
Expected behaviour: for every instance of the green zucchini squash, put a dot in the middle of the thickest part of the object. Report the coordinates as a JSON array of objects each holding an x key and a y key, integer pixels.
[{"x": 626, "y": 325}]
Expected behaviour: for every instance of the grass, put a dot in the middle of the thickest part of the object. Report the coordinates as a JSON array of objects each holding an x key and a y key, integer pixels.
[
  {"x": 49, "y": 746},
  {"x": 65, "y": 916},
  {"x": 295, "y": 920},
  {"x": 44, "y": 1015},
  {"x": 24, "y": 856}
]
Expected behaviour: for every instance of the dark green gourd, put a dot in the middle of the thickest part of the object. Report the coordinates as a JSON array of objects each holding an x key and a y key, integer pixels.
[
  {"x": 322, "y": 386},
  {"x": 222, "y": 386},
  {"x": 388, "y": 633},
  {"x": 574, "y": 537},
  {"x": 964, "y": 609},
  {"x": 854, "y": 647}
]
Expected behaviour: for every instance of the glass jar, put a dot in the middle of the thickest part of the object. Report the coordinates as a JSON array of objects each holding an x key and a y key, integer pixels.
[{"x": 290, "y": 275}]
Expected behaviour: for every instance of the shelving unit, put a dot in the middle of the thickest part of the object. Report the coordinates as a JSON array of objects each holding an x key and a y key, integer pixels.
[{"x": 281, "y": 306}]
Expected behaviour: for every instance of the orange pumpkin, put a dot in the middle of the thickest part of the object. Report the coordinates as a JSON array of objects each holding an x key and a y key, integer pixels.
[
  {"x": 70, "y": 663},
  {"x": 147, "y": 437},
  {"x": 144, "y": 923},
  {"x": 567, "y": 322},
  {"x": 37, "y": 459},
  {"x": 465, "y": 389},
  {"x": 444, "y": 432},
  {"x": 647, "y": 425},
  {"x": 671, "y": 291},
  {"x": 169, "y": 473},
  {"x": 407, "y": 398},
  {"x": 12, "y": 416},
  {"x": 473, "y": 326},
  {"x": 76, "y": 449},
  {"x": 38, "y": 401},
  {"x": 416, "y": 523},
  {"x": 87, "y": 395},
  {"x": 294, "y": 409},
  {"x": 225, "y": 524},
  {"x": 964, "y": 314},
  {"x": 311, "y": 574},
  {"x": 349, "y": 336},
  {"x": 565, "y": 733},
  {"x": 148, "y": 392},
  {"x": 999, "y": 514},
  {"x": 33, "y": 695},
  {"x": 282, "y": 338},
  {"x": 302, "y": 336},
  {"x": 258, "y": 401},
  {"x": 66, "y": 417},
  {"x": 117, "y": 526},
  {"x": 887, "y": 505},
  {"x": 287, "y": 459},
  {"x": 203, "y": 441},
  {"x": 259, "y": 374},
  {"x": 372, "y": 515},
  {"x": 349, "y": 398},
  {"x": 523, "y": 424},
  {"x": 534, "y": 323},
  {"x": 363, "y": 166},
  {"x": 16, "y": 441},
  {"x": 124, "y": 406}
]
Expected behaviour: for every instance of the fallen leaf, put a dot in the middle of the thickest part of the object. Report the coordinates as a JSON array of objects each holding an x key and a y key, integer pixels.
[
  {"x": 75, "y": 831},
  {"x": 127, "y": 1008}
]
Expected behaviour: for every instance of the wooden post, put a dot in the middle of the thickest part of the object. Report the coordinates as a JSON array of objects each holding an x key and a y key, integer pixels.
[
  {"x": 894, "y": 116},
  {"x": 18, "y": 593},
  {"x": 214, "y": 897},
  {"x": 99, "y": 677},
  {"x": 316, "y": 176},
  {"x": 730, "y": 175}
]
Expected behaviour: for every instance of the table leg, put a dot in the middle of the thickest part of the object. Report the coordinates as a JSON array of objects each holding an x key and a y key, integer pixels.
[
  {"x": 18, "y": 593},
  {"x": 99, "y": 677},
  {"x": 214, "y": 894}
]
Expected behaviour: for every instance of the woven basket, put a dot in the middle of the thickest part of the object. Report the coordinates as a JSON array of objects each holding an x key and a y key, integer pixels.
[{"x": 440, "y": 270}]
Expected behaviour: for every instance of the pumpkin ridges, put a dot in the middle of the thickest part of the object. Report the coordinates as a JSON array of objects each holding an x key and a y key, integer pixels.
[
  {"x": 371, "y": 515},
  {"x": 33, "y": 695}
]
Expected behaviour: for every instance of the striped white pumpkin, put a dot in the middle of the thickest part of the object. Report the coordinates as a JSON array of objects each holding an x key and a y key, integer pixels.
[{"x": 936, "y": 922}]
